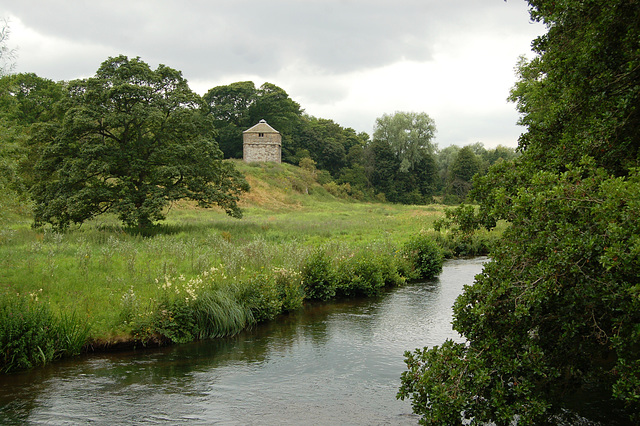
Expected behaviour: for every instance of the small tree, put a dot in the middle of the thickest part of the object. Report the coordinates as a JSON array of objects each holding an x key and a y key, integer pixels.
[{"x": 132, "y": 141}]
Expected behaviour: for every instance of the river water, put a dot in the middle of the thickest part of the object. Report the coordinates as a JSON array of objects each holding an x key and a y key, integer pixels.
[{"x": 329, "y": 364}]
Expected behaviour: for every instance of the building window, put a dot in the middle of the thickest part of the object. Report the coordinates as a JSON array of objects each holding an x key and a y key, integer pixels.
[{"x": 261, "y": 135}]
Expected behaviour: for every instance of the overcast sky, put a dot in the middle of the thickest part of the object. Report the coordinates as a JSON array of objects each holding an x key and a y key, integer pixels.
[{"x": 346, "y": 60}]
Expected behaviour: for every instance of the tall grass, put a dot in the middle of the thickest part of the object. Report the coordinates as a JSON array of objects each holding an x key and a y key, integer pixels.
[{"x": 31, "y": 335}]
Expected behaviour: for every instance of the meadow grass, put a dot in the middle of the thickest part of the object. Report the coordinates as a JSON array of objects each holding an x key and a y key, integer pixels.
[
  {"x": 202, "y": 274},
  {"x": 91, "y": 268}
]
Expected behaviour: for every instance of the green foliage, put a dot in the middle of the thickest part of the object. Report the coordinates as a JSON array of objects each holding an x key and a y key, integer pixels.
[
  {"x": 464, "y": 167},
  {"x": 568, "y": 313},
  {"x": 238, "y": 106},
  {"x": 555, "y": 311},
  {"x": 399, "y": 162},
  {"x": 425, "y": 256},
  {"x": 318, "y": 276},
  {"x": 467, "y": 231},
  {"x": 409, "y": 135},
  {"x": 132, "y": 141},
  {"x": 556, "y": 323},
  {"x": 367, "y": 272},
  {"x": 580, "y": 95},
  {"x": 262, "y": 295},
  {"x": 31, "y": 335},
  {"x": 290, "y": 288}
]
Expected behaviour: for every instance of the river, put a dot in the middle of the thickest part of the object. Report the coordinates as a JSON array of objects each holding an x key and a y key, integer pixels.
[{"x": 333, "y": 363}]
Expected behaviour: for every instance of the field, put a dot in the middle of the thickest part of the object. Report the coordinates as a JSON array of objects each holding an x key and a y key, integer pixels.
[{"x": 108, "y": 274}]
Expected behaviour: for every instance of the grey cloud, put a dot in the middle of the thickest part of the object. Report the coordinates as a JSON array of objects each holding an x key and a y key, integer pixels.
[{"x": 213, "y": 38}]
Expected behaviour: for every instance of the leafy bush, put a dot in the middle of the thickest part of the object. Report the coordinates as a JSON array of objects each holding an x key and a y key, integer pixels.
[
  {"x": 359, "y": 275},
  {"x": 319, "y": 277},
  {"x": 367, "y": 272},
  {"x": 291, "y": 289},
  {"x": 262, "y": 296},
  {"x": 340, "y": 191},
  {"x": 425, "y": 256},
  {"x": 478, "y": 243}
]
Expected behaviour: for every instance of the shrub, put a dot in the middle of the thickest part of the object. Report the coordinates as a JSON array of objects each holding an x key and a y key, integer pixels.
[
  {"x": 360, "y": 275},
  {"x": 425, "y": 256},
  {"x": 319, "y": 277},
  {"x": 367, "y": 272},
  {"x": 290, "y": 287},
  {"x": 261, "y": 295}
]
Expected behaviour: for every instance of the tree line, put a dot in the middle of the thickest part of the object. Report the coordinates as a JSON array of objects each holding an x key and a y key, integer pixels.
[
  {"x": 399, "y": 162},
  {"x": 131, "y": 140}
]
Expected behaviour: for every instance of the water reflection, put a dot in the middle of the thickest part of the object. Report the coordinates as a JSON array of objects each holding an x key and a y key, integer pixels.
[{"x": 335, "y": 363}]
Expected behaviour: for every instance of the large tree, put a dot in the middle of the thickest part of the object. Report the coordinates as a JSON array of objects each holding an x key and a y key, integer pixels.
[
  {"x": 132, "y": 140},
  {"x": 410, "y": 135},
  {"x": 400, "y": 158},
  {"x": 556, "y": 312}
]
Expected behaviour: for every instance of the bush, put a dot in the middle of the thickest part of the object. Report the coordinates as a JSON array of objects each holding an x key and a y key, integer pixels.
[
  {"x": 262, "y": 296},
  {"x": 290, "y": 287},
  {"x": 367, "y": 272},
  {"x": 319, "y": 277},
  {"x": 425, "y": 256},
  {"x": 478, "y": 243},
  {"x": 360, "y": 275}
]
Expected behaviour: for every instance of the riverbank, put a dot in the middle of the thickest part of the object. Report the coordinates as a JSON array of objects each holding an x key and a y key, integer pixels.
[{"x": 200, "y": 274}]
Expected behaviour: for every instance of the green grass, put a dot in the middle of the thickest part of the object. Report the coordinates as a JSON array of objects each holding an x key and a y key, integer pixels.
[
  {"x": 92, "y": 267},
  {"x": 125, "y": 283}
]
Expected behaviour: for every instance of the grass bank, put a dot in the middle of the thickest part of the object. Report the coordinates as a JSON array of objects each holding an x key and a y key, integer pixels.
[{"x": 201, "y": 274}]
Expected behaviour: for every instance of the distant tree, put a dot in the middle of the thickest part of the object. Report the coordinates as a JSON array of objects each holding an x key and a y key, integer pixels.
[
  {"x": 274, "y": 105},
  {"x": 382, "y": 167},
  {"x": 464, "y": 167},
  {"x": 229, "y": 106},
  {"x": 409, "y": 134},
  {"x": 238, "y": 106},
  {"x": 444, "y": 160},
  {"x": 500, "y": 153},
  {"x": 132, "y": 141}
]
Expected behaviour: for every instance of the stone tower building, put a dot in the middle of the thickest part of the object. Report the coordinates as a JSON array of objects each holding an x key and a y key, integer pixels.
[{"x": 262, "y": 143}]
